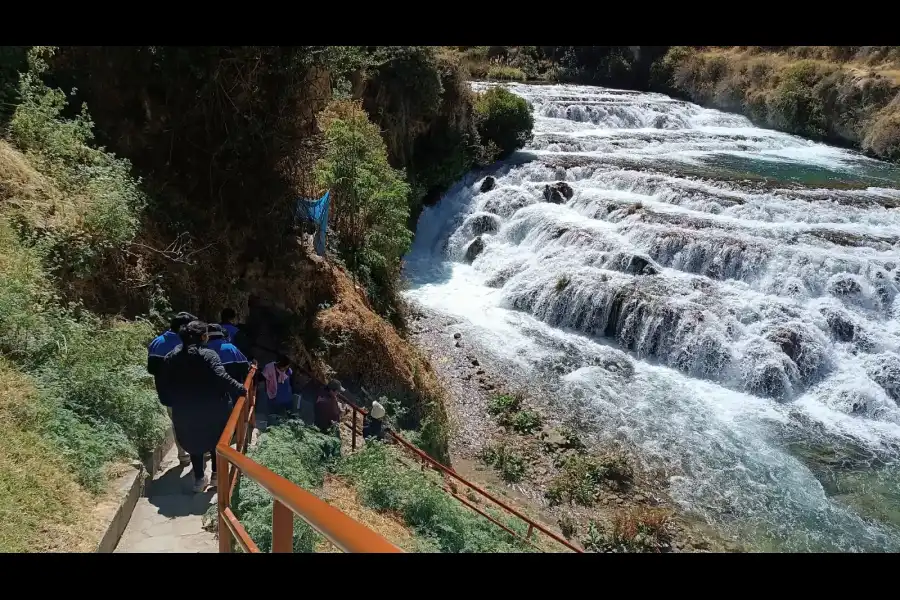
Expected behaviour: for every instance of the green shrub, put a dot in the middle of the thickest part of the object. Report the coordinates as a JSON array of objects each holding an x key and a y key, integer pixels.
[
  {"x": 298, "y": 453},
  {"x": 386, "y": 484},
  {"x": 503, "y": 119},
  {"x": 527, "y": 421},
  {"x": 369, "y": 200},
  {"x": 504, "y": 404},
  {"x": 581, "y": 477},
  {"x": 102, "y": 196},
  {"x": 794, "y": 104},
  {"x": 506, "y": 73},
  {"x": 97, "y": 402},
  {"x": 510, "y": 465},
  {"x": 636, "y": 530}
]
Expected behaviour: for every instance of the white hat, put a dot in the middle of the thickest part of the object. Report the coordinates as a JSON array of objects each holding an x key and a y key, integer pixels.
[{"x": 377, "y": 411}]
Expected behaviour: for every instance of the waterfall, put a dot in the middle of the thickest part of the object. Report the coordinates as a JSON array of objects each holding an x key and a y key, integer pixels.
[{"x": 745, "y": 282}]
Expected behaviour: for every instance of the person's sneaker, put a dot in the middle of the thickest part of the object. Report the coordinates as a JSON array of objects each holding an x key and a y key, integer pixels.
[
  {"x": 200, "y": 484},
  {"x": 214, "y": 480}
]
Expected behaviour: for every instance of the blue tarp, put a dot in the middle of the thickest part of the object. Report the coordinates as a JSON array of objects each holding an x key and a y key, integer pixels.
[{"x": 315, "y": 211}]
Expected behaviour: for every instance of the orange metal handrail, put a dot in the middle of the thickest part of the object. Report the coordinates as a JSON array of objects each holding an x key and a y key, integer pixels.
[
  {"x": 289, "y": 498},
  {"x": 426, "y": 459}
]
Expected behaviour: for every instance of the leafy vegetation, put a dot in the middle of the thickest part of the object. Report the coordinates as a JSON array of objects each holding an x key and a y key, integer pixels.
[
  {"x": 298, "y": 453},
  {"x": 636, "y": 530},
  {"x": 508, "y": 411},
  {"x": 370, "y": 207},
  {"x": 504, "y": 120},
  {"x": 581, "y": 477},
  {"x": 509, "y": 464},
  {"x": 386, "y": 484}
]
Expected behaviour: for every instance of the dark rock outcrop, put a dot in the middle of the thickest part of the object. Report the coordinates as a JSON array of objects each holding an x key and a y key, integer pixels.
[
  {"x": 484, "y": 223},
  {"x": 488, "y": 184},
  {"x": 474, "y": 249},
  {"x": 884, "y": 369},
  {"x": 558, "y": 193},
  {"x": 844, "y": 285}
]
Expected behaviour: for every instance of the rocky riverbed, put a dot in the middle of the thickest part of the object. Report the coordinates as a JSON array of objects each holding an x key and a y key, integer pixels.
[{"x": 547, "y": 466}]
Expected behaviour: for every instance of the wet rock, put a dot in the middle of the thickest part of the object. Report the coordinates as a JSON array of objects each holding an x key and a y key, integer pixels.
[
  {"x": 458, "y": 344},
  {"x": 558, "y": 193},
  {"x": 844, "y": 285},
  {"x": 475, "y": 362},
  {"x": 479, "y": 372},
  {"x": 475, "y": 248},
  {"x": 635, "y": 264},
  {"x": 484, "y": 223},
  {"x": 488, "y": 184},
  {"x": 841, "y": 327},
  {"x": 884, "y": 369},
  {"x": 456, "y": 336}
]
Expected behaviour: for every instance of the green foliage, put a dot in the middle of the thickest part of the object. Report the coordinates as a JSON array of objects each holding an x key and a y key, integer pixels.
[
  {"x": 370, "y": 208},
  {"x": 562, "y": 282},
  {"x": 795, "y": 105},
  {"x": 635, "y": 530},
  {"x": 510, "y": 465},
  {"x": 97, "y": 402},
  {"x": 581, "y": 477},
  {"x": 102, "y": 197},
  {"x": 386, "y": 484},
  {"x": 527, "y": 421},
  {"x": 503, "y": 119},
  {"x": 506, "y": 73},
  {"x": 298, "y": 453},
  {"x": 504, "y": 404}
]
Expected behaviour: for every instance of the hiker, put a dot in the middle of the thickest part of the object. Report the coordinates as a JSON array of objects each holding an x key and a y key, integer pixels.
[
  {"x": 234, "y": 361},
  {"x": 329, "y": 408},
  {"x": 156, "y": 352},
  {"x": 373, "y": 426},
  {"x": 226, "y": 320},
  {"x": 196, "y": 386},
  {"x": 279, "y": 390}
]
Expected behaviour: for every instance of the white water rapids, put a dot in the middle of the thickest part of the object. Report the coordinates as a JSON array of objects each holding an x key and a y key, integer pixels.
[{"x": 722, "y": 297}]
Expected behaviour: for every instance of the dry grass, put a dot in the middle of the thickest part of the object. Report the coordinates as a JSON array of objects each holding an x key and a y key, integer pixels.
[
  {"x": 343, "y": 497},
  {"x": 642, "y": 527},
  {"x": 42, "y": 508},
  {"x": 738, "y": 56}
]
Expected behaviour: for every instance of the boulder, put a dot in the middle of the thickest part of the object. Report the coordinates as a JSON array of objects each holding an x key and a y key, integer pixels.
[
  {"x": 558, "y": 193},
  {"x": 488, "y": 184},
  {"x": 475, "y": 248},
  {"x": 844, "y": 285},
  {"x": 639, "y": 265},
  {"x": 884, "y": 369},
  {"x": 841, "y": 327},
  {"x": 484, "y": 223}
]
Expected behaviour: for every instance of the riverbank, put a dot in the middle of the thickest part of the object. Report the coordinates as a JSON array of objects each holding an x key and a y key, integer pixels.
[
  {"x": 851, "y": 102},
  {"x": 545, "y": 465}
]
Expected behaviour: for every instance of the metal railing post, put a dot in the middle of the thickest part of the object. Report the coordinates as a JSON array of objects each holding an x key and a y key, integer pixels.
[
  {"x": 224, "y": 494},
  {"x": 282, "y": 528}
]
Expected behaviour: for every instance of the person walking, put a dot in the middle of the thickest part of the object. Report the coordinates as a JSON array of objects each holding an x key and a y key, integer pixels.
[
  {"x": 197, "y": 387},
  {"x": 329, "y": 408},
  {"x": 156, "y": 353},
  {"x": 234, "y": 361},
  {"x": 277, "y": 376},
  {"x": 373, "y": 424}
]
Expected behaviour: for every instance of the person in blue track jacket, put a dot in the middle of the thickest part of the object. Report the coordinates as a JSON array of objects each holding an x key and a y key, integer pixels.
[
  {"x": 156, "y": 352},
  {"x": 234, "y": 361}
]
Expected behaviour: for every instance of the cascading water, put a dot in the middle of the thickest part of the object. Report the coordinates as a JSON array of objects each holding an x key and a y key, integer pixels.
[{"x": 723, "y": 297}]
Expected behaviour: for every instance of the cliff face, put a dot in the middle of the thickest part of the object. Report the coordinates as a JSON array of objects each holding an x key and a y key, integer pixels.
[{"x": 850, "y": 99}]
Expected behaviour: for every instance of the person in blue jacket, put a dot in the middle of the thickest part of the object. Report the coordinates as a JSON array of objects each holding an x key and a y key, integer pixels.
[
  {"x": 156, "y": 352},
  {"x": 234, "y": 361}
]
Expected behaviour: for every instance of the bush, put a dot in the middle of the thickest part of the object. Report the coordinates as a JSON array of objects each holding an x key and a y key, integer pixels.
[
  {"x": 504, "y": 120},
  {"x": 385, "y": 484},
  {"x": 527, "y": 421},
  {"x": 581, "y": 478},
  {"x": 97, "y": 402},
  {"x": 506, "y": 73},
  {"x": 794, "y": 105},
  {"x": 369, "y": 200},
  {"x": 636, "y": 530},
  {"x": 102, "y": 197},
  {"x": 504, "y": 404},
  {"x": 298, "y": 453},
  {"x": 510, "y": 465}
]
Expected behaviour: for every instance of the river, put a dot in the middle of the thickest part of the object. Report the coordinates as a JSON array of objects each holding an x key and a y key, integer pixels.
[{"x": 723, "y": 298}]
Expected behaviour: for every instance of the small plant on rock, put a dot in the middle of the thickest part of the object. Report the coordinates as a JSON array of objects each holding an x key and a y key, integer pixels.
[
  {"x": 567, "y": 526},
  {"x": 527, "y": 421},
  {"x": 581, "y": 477},
  {"x": 510, "y": 465},
  {"x": 562, "y": 283}
]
